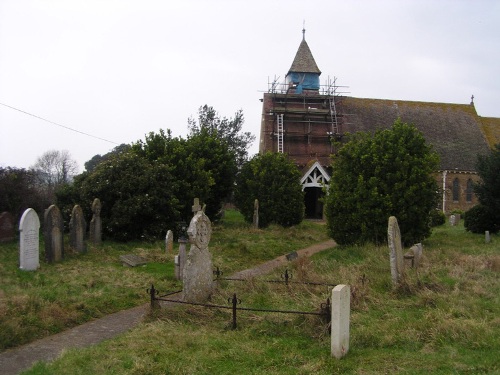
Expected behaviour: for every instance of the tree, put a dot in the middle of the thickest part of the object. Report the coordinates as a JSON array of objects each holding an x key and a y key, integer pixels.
[
  {"x": 18, "y": 191},
  {"x": 97, "y": 159},
  {"x": 375, "y": 177},
  {"x": 227, "y": 129},
  {"x": 137, "y": 196},
  {"x": 53, "y": 169},
  {"x": 203, "y": 164},
  {"x": 275, "y": 181},
  {"x": 486, "y": 215}
]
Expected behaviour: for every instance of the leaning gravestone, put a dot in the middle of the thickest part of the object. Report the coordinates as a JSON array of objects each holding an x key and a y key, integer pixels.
[
  {"x": 396, "y": 250},
  {"x": 95, "y": 224},
  {"x": 197, "y": 275},
  {"x": 53, "y": 222},
  {"x": 6, "y": 227},
  {"x": 29, "y": 243},
  {"x": 77, "y": 230}
]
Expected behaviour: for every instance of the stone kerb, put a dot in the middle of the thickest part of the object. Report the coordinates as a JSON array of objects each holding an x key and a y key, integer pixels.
[
  {"x": 396, "y": 250},
  {"x": 53, "y": 222},
  {"x": 341, "y": 315},
  {"x": 29, "y": 241},
  {"x": 78, "y": 229},
  {"x": 197, "y": 275}
]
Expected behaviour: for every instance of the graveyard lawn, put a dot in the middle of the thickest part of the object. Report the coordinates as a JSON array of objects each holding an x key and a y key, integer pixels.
[
  {"x": 443, "y": 319},
  {"x": 86, "y": 286}
]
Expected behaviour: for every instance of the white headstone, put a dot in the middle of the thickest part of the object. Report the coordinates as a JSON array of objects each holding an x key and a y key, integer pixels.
[
  {"x": 453, "y": 220},
  {"x": 341, "y": 315},
  {"x": 29, "y": 244},
  {"x": 487, "y": 237},
  {"x": 197, "y": 275},
  {"x": 396, "y": 250}
]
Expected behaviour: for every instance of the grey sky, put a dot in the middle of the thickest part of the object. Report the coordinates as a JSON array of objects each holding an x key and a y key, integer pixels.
[{"x": 120, "y": 69}]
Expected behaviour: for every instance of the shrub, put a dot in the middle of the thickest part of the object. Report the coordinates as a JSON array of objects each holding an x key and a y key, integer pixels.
[
  {"x": 437, "y": 218},
  {"x": 480, "y": 219}
]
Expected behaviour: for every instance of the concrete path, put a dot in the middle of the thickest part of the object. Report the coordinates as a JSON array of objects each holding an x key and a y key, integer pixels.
[{"x": 13, "y": 361}]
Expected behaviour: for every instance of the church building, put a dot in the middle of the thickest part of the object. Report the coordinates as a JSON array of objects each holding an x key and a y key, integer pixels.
[{"x": 300, "y": 118}]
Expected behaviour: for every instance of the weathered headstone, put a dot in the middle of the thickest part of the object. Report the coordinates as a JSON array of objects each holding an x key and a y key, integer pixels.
[
  {"x": 95, "y": 235},
  {"x": 53, "y": 223},
  {"x": 169, "y": 242},
  {"x": 396, "y": 250},
  {"x": 197, "y": 275},
  {"x": 132, "y": 260},
  {"x": 29, "y": 241},
  {"x": 487, "y": 237},
  {"x": 453, "y": 220},
  {"x": 414, "y": 255},
  {"x": 196, "y": 206},
  {"x": 341, "y": 314},
  {"x": 256, "y": 214},
  {"x": 7, "y": 232},
  {"x": 77, "y": 230}
]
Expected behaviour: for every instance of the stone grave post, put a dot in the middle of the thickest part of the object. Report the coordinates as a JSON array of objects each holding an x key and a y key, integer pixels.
[
  {"x": 77, "y": 228},
  {"x": 95, "y": 224},
  {"x": 197, "y": 275},
  {"x": 169, "y": 241},
  {"x": 29, "y": 241},
  {"x": 341, "y": 314},
  {"x": 487, "y": 237},
  {"x": 7, "y": 232},
  {"x": 256, "y": 214},
  {"x": 396, "y": 250},
  {"x": 53, "y": 222}
]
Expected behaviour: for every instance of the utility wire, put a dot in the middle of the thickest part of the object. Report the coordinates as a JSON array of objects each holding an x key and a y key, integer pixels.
[{"x": 55, "y": 123}]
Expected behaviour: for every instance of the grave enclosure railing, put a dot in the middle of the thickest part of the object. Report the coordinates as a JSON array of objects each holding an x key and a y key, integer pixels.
[{"x": 325, "y": 309}]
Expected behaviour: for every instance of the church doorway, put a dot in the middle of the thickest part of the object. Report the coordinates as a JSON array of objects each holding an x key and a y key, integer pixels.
[{"x": 313, "y": 203}]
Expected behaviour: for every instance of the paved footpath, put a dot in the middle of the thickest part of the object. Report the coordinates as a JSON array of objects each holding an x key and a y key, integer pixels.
[{"x": 14, "y": 361}]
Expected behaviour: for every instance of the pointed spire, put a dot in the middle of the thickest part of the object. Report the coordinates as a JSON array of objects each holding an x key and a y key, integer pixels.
[{"x": 304, "y": 60}]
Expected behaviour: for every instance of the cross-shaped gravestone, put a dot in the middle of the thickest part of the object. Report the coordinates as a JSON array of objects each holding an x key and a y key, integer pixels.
[
  {"x": 197, "y": 275},
  {"x": 196, "y": 206}
]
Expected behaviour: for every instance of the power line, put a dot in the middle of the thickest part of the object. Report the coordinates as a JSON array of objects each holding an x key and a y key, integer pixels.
[{"x": 55, "y": 123}]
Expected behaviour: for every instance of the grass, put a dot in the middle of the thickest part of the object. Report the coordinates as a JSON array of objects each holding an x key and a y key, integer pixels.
[
  {"x": 88, "y": 286},
  {"x": 443, "y": 319}
]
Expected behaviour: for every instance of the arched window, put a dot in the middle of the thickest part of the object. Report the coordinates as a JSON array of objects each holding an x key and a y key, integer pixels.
[
  {"x": 456, "y": 190},
  {"x": 468, "y": 192}
]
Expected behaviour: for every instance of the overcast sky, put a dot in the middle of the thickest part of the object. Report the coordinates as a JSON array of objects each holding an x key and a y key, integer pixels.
[{"x": 117, "y": 70}]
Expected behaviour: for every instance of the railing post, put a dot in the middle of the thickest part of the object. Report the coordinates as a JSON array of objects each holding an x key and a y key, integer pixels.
[
  {"x": 235, "y": 302},
  {"x": 152, "y": 293}
]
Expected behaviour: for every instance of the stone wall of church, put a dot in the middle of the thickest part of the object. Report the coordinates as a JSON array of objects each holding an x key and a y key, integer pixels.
[{"x": 456, "y": 190}]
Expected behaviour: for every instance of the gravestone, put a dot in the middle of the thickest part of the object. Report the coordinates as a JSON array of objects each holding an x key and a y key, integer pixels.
[
  {"x": 487, "y": 237},
  {"x": 453, "y": 220},
  {"x": 396, "y": 250},
  {"x": 53, "y": 223},
  {"x": 7, "y": 232},
  {"x": 197, "y": 275},
  {"x": 95, "y": 224},
  {"x": 132, "y": 260},
  {"x": 77, "y": 230},
  {"x": 256, "y": 214},
  {"x": 341, "y": 314},
  {"x": 169, "y": 242},
  {"x": 29, "y": 241},
  {"x": 196, "y": 206},
  {"x": 414, "y": 255}
]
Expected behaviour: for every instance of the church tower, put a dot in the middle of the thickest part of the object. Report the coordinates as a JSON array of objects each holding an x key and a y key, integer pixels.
[{"x": 300, "y": 118}]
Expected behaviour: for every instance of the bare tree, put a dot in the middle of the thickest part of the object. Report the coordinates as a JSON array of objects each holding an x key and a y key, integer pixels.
[{"x": 53, "y": 169}]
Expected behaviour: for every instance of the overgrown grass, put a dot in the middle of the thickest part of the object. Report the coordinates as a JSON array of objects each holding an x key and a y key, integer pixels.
[
  {"x": 88, "y": 286},
  {"x": 443, "y": 319}
]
